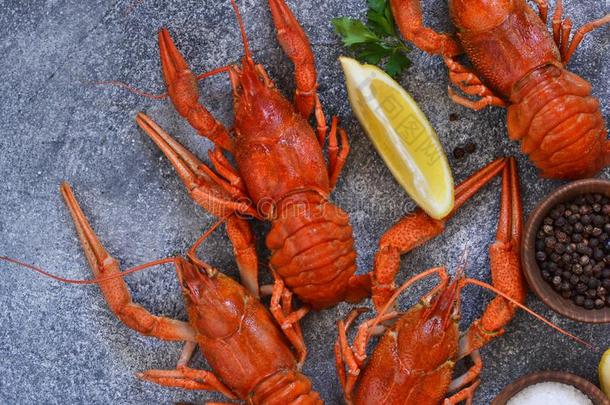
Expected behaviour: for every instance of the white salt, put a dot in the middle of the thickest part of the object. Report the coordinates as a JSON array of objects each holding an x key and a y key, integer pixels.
[{"x": 550, "y": 393}]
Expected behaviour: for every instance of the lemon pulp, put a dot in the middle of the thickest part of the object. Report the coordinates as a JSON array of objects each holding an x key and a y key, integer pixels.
[{"x": 402, "y": 135}]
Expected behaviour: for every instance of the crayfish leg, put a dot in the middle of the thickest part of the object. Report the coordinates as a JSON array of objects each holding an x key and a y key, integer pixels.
[
  {"x": 215, "y": 194},
  {"x": 415, "y": 230},
  {"x": 183, "y": 90},
  {"x": 468, "y": 82},
  {"x": 288, "y": 320},
  {"x": 466, "y": 394},
  {"x": 296, "y": 45},
  {"x": 187, "y": 378},
  {"x": 115, "y": 290},
  {"x": 505, "y": 266},
  {"x": 410, "y": 21}
]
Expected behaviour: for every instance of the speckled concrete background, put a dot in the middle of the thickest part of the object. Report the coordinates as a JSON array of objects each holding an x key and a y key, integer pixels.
[{"x": 59, "y": 343}]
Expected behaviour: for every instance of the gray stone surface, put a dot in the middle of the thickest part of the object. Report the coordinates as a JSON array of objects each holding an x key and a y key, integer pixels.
[{"x": 60, "y": 343}]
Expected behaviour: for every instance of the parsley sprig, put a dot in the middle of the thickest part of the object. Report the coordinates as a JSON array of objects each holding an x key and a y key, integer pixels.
[{"x": 377, "y": 41}]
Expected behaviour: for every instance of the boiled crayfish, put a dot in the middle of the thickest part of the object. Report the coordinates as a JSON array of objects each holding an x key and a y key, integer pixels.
[
  {"x": 246, "y": 349},
  {"x": 517, "y": 64},
  {"x": 414, "y": 351},
  {"x": 281, "y": 174},
  {"x": 414, "y": 360}
]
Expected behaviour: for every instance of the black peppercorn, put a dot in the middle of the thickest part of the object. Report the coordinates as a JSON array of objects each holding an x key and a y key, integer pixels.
[
  {"x": 593, "y": 283},
  {"x": 577, "y": 269},
  {"x": 459, "y": 153},
  {"x": 562, "y": 237},
  {"x": 589, "y": 303},
  {"x": 588, "y": 270}
]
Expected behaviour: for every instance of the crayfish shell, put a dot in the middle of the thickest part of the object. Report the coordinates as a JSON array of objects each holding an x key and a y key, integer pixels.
[
  {"x": 313, "y": 251},
  {"x": 559, "y": 123}
]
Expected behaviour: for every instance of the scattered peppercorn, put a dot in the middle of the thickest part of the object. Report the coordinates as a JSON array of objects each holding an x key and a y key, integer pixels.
[
  {"x": 470, "y": 147},
  {"x": 459, "y": 153},
  {"x": 453, "y": 117},
  {"x": 573, "y": 249}
]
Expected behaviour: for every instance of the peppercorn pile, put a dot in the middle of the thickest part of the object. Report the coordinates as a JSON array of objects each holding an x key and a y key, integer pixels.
[{"x": 573, "y": 250}]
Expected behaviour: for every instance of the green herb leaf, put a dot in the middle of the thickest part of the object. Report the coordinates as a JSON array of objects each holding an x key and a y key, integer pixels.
[
  {"x": 397, "y": 63},
  {"x": 375, "y": 42},
  {"x": 377, "y": 5},
  {"x": 373, "y": 53},
  {"x": 380, "y": 18},
  {"x": 353, "y": 32}
]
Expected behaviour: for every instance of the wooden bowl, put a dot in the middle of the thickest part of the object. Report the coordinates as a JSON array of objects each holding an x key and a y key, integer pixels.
[
  {"x": 590, "y": 390},
  {"x": 528, "y": 250}
]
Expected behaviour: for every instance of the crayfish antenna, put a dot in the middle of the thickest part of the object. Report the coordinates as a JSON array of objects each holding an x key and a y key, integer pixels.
[
  {"x": 529, "y": 311},
  {"x": 86, "y": 282},
  {"x": 242, "y": 29},
  {"x": 131, "y": 89},
  {"x": 99, "y": 280},
  {"x": 462, "y": 263},
  {"x": 438, "y": 270}
]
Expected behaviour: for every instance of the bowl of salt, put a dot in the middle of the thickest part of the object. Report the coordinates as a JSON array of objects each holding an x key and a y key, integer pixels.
[{"x": 551, "y": 387}]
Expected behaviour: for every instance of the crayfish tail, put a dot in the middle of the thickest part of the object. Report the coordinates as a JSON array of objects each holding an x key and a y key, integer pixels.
[
  {"x": 559, "y": 124},
  {"x": 312, "y": 248},
  {"x": 286, "y": 387}
]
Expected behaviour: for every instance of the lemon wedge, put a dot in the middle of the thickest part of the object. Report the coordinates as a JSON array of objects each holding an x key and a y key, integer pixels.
[
  {"x": 402, "y": 135},
  {"x": 604, "y": 373}
]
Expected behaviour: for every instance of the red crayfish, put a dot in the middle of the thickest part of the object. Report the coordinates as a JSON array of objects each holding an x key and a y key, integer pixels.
[
  {"x": 415, "y": 358},
  {"x": 517, "y": 64},
  {"x": 281, "y": 174},
  {"x": 243, "y": 344}
]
